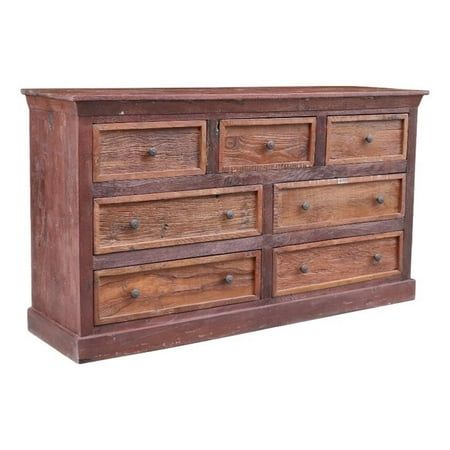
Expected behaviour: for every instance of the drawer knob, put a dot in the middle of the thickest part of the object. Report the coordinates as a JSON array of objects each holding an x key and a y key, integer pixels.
[
  {"x": 304, "y": 268},
  {"x": 270, "y": 145},
  {"x": 135, "y": 293},
  {"x": 305, "y": 206},
  {"x": 134, "y": 223},
  {"x": 379, "y": 199},
  {"x": 369, "y": 138},
  {"x": 229, "y": 278},
  {"x": 230, "y": 214},
  {"x": 152, "y": 151},
  {"x": 377, "y": 257}
]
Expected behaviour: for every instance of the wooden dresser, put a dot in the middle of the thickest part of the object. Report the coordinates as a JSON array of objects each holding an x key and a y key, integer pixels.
[{"x": 163, "y": 217}]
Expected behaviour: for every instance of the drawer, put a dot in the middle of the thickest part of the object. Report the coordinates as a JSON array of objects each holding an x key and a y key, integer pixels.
[
  {"x": 323, "y": 203},
  {"x": 175, "y": 286},
  {"x": 366, "y": 138},
  {"x": 173, "y": 218},
  {"x": 127, "y": 151},
  {"x": 258, "y": 144},
  {"x": 325, "y": 264}
]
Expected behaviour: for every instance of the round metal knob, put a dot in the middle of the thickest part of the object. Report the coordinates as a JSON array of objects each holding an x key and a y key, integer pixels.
[
  {"x": 229, "y": 214},
  {"x": 152, "y": 151},
  {"x": 134, "y": 223},
  {"x": 305, "y": 206},
  {"x": 304, "y": 268},
  {"x": 135, "y": 293},
  {"x": 377, "y": 257},
  {"x": 229, "y": 278},
  {"x": 369, "y": 138},
  {"x": 379, "y": 199},
  {"x": 270, "y": 145}
]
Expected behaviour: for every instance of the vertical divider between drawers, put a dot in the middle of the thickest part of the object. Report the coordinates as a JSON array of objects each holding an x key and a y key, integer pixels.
[
  {"x": 266, "y": 263},
  {"x": 321, "y": 136}
]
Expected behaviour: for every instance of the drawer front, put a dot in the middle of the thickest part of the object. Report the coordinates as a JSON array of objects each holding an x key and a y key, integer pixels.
[
  {"x": 188, "y": 284},
  {"x": 258, "y": 144},
  {"x": 325, "y": 264},
  {"x": 322, "y": 203},
  {"x": 174, "y": 218},
  {"x": 126, "y": 151},
  {"x": 367, "y": 138}
]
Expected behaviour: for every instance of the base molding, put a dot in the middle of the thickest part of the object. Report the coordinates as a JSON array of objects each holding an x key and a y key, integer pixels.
[{"x": 141, "y": 339}]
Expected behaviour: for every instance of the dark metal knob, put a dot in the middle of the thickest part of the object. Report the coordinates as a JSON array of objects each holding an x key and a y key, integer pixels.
[
  {"x": 304, "y": 268},
  {"x": 152, "y": 151},
  {"x": 379, "y": 199},
  {"x": 229, "y": 214},
  {"x": 135, "y": 293},
  {"x": 229, "y": 278},
  {"x": 270, "y": 145},
  {"x": 369, "y": 138},
  {"x": 305, "y": 206},
  {"x": 377, "y": 257},
  {"x": 134, "y": 223}
]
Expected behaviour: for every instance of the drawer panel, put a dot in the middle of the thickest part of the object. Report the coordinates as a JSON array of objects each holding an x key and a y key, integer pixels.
[
  {"x": 322, "y": 203},
  {"x": 175, "y": 286},
  {"x": 126, "y": 151},
  {"x": 325, "y": 264},
  {"x": 259, "y": 144},
  {"x": 174, "y": 218},
  {"x": 366, "y": 138}
]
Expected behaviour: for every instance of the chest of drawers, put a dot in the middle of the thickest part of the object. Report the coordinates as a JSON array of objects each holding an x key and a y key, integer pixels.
[{"x": 162, "y": 217}]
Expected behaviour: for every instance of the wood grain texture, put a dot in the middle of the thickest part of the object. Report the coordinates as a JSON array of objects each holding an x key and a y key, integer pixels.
[
  {"x": 346, "y": 138},
  {"x": 243, "y": 143},
  {"x": 175, "y": 218},
  {"x": 176, "y": 286},
  {"x": 336, "y": 262},
  {"x": 337, "y": 201},
  {"x": 55, "y": 216},
  {"x": 121, "y": 149}
]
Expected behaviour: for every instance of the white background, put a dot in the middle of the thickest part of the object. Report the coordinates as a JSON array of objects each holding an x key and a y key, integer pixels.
[{"x": 376, "y": 379}]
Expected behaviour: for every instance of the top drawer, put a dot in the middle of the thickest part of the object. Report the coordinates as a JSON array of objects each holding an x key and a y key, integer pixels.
[
  {"x": 366, "y": 138},
  {"x": 259, "y": 144},
  {"x": 129, "y": 151}
]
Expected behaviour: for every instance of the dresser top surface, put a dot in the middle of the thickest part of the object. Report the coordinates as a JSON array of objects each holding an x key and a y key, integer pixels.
[{"x": 224, "y": 93}]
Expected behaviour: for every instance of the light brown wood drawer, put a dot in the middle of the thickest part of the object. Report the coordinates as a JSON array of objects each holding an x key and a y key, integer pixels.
[
  {"x": 366, "y": 138},
  {"x": 325, "y": 264},
  {"x": 174, "y": 218},
  {"x": 175, "y": 286},
  {"x": 126, "y": 151},
  {"x": 258, "y": 144},
  {"x": 322, "y": 203}
]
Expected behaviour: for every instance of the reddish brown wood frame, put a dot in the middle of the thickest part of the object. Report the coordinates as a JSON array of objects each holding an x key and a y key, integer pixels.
[{"x": 63, "y": 194}]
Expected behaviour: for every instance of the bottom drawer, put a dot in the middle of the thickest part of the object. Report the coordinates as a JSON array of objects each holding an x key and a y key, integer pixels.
[
  {"x": 161, "y": 288},
  {"x": 318, "y": 265}
]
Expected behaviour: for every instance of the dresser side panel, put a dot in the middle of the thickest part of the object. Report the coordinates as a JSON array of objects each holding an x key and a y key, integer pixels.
[{"x": 55, "y": 216}]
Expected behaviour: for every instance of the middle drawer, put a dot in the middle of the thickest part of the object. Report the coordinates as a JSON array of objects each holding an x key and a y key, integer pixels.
[
  {"x": 174, "y": 218},
  {"x": 320, "y": 203}
]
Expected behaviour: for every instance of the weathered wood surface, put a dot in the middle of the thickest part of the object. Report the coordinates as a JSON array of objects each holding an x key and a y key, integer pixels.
[
  {"x": 121, "y": 150},
  {"x": 175, "y": 218},
  {"x": 325, "y": 264},
  {"x": 366, "y": 138},
  {"x": 261, "y": 144},
  {"x": 322, "y": 203},
  {"x": 176, "y": 286},
  {"x": 55, "y": 216}
]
